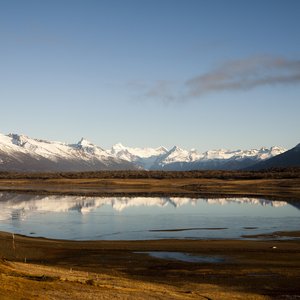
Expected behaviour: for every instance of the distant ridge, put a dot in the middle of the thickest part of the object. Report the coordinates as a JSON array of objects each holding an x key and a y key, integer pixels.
[
  {"x": 290, "y": 158},
  {"x": 24, "y": 154}
]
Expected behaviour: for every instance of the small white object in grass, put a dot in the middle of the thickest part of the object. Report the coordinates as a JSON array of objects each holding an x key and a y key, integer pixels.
[{"x": 274, "y": 247}]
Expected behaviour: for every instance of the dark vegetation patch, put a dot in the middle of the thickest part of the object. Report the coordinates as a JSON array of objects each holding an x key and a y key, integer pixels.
[
  {"x": 274, "y": 173},
  {"x": 41, "y": 278}
]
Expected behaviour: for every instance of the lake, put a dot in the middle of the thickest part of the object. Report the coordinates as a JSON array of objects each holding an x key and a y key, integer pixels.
[{"x": 143, "y": 218}]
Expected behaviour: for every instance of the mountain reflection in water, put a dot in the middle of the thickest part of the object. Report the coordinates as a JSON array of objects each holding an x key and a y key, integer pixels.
[
  {"x": 79, "y": 217},
  {"x": 17, "y": 205}
]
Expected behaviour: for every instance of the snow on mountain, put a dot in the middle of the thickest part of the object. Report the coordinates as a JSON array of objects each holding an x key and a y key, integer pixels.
[
  {"x": 143, "y": 157},
  {"x": 265, "y": 153},
  {"x": 262, "y": 153},
  {"x": 22, "y": 153},
  {"x": 43, "y": 148},
  {"x": 180, "y": 159},
  {"x": 87, "y": 149},
  {"x": 234, "y": 160},
  {"x": 176, "y": 156},
  {"x": 119, "y": 149}
]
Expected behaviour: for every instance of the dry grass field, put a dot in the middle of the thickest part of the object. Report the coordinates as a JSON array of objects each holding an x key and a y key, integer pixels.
[{"x": 277, "y": 183}]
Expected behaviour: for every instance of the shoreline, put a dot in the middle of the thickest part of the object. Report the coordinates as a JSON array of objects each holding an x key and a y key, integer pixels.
[{"x": 261, "y": 237}]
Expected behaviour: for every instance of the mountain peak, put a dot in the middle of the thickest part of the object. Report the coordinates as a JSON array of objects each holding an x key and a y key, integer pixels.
[
  {"x": 161, "y": 149},
  {"x": 175, "y": 148},
  {"x": 87, "y": 146},
  {"x": 16, "y": 136},
  {"x": 118, "y": 147},
  {"x": 18, "y": 139},
  {"x": 263, "y": 149},
  {"x": 84, "y": 142}
]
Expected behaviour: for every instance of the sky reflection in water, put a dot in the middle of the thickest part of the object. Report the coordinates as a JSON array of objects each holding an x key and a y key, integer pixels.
[{"x": 139, "y": 218}]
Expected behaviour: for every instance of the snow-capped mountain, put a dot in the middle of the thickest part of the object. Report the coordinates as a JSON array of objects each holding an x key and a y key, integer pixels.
[
  {"x": 179, "y": 159},
  {"x": 22, "y": 153},
  {"x": 143, "y": 157}
]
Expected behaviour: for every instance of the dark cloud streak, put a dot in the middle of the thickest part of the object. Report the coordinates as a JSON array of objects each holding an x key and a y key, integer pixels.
[{"x": 235, "y": 75}]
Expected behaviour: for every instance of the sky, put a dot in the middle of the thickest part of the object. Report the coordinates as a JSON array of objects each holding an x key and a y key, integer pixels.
[{"x": 149, "y": 73}]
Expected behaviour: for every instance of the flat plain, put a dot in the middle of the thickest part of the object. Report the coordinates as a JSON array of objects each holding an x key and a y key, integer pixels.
[{"x": 281, "y": 184}]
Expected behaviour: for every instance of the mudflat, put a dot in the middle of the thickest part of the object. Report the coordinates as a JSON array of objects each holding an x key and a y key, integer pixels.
[{"x": 38, "y": 268}]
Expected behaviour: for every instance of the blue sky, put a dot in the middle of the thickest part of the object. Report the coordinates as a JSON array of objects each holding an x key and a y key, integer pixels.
[{"x": 197, "y": 74}]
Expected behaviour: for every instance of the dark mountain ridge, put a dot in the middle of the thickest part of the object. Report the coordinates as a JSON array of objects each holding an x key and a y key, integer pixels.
[{"x": 290, "y": 158}]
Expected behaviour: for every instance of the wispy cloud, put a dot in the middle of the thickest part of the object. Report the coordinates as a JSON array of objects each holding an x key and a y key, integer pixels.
[
  {"x": 244, "y": 74},
  {"x": 164, "y": 90}
]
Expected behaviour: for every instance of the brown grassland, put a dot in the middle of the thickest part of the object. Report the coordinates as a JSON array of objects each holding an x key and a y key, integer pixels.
[
  {"x": 263, "y": 268},
  {"x": 277, "y": 184}
]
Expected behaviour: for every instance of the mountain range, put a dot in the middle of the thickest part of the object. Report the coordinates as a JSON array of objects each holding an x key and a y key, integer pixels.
[{"x": 22, "y": 153}]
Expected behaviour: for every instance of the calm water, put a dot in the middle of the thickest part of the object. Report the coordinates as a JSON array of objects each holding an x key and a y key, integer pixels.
[
  {"x": 125, "y": 218},
  {"x": 186, "y": 257}
]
